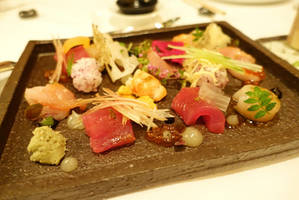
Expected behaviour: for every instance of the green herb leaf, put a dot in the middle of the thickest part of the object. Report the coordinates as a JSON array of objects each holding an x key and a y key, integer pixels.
[
  {"x": 143, "y": 61},
  {"x": 270, "y": 106},
  {"x": 141, "y": 48},
  {"x": 254, "y": 107},
  {"x": 257, "y": 91},
  {"x": 48, "y": 121},
  {"x": 197, "y": 34},
  {"x": 251, "y": 100},
  {"x": 69, "y": 66},
  {"x": 260, "y": 114},
  {"x": 122, "y": 44},
  {"x": 144, "y": 68},
  {"x": 265, "y": 101},
  {"x": 296, "y": 64},
  {"x": 250, "y": 94},
  {"x": 181, "y": 72},
  {"x": 263, "y": 95},
  {"x": 164, "y": 81}
]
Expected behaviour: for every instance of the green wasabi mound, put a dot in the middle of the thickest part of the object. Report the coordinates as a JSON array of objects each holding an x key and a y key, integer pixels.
[{"x": 47, "y": 146}]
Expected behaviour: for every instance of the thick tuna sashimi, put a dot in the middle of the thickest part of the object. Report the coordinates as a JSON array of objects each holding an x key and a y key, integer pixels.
[
  {"x": 189, "y": 108},
  {"x": 106, "y": 131}
]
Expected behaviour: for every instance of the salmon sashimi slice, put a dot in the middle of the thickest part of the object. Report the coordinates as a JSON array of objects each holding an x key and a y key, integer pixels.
[
  {"x": 190, "y": 108},
  {"x": 55, "y": 98}
]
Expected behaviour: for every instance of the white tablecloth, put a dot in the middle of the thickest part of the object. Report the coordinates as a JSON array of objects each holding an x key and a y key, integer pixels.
[{"x": 67, "y": 18}]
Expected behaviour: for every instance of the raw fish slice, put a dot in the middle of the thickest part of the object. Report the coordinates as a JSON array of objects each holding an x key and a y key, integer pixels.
[
  {"x": 56, "y": 99},
  {"x": 54, "y": 95},
  {"x": 164, "y": 69},
  {"x": 189, "y": 107},
  {"x": 238, "y": 54},
  {"x": 106, "y": 130}
]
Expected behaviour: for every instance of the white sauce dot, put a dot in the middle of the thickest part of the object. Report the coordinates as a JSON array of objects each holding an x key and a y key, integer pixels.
[
  {"x": 69, "y": 164},
  {"x": 192, "y": 137}
]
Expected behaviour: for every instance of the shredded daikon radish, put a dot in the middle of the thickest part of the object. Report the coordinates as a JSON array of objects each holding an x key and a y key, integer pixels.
[
  {"x": 132, "y": 109},
  {"x": 60, "y": 60}
]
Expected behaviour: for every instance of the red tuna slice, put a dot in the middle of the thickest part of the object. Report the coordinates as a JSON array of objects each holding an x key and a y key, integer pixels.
[
  {"x": 73, "y": 55},
  {"x": 162, "y": 49},
  {"x": 106, "y": 131},
  {"x": 186, "y": 105}
]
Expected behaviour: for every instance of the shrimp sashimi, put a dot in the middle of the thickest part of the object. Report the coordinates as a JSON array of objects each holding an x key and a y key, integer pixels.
[
  {"x": 55, "y": 98},
  {"x": 237, "y": 54}
]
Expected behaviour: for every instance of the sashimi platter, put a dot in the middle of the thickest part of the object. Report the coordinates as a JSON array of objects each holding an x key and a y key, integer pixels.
[{"x": 94, "y": 117}]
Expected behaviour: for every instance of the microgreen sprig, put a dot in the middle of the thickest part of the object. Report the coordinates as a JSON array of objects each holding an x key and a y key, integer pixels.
[
  {"x": 197, "y": 34},
  {"x": 261, "y": 101},
  {"x": 204, "y": 55},
  {"x": 140, "y": 51},
  {"x": 69, "y": 66}
]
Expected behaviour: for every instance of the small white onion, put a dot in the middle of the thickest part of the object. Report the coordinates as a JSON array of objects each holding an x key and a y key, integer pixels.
[
  {"x": 192, "y": 137},
  {"x": 232, "y": 120},
  {"x": 74, "y": 121},
  {"x": 69, "y": 164}
]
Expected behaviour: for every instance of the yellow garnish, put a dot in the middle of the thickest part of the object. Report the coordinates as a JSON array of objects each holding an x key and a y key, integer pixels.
[
  {"x": 128, "y": 96},
  {"x": 124, "y": 90},
  {"x": 149, "y": 101},
  {"x": 75, "y": 41}
]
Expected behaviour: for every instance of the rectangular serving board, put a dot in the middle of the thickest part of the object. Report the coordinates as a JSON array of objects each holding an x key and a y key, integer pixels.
[{"x": 142, "y": 164}]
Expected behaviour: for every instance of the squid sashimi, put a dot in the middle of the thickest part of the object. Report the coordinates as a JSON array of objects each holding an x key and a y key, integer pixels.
[
  {"x": 106, "y": 129},
  {"x": 237, "y": 54},
  {"x": 55, "y": 98},
  {"x": 190, "y": 108}
]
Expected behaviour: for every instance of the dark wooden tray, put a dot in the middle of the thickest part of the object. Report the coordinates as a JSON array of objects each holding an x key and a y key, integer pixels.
[
  {"x": 285, "y": 64},
  {"x": 143, "y": 164}
]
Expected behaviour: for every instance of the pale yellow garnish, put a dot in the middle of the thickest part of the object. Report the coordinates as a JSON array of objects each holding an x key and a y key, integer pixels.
[
  {"x": 75, "y": 41},
  {"x": 149, "y": 101},
  {"x": 124, "y": 90}
]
